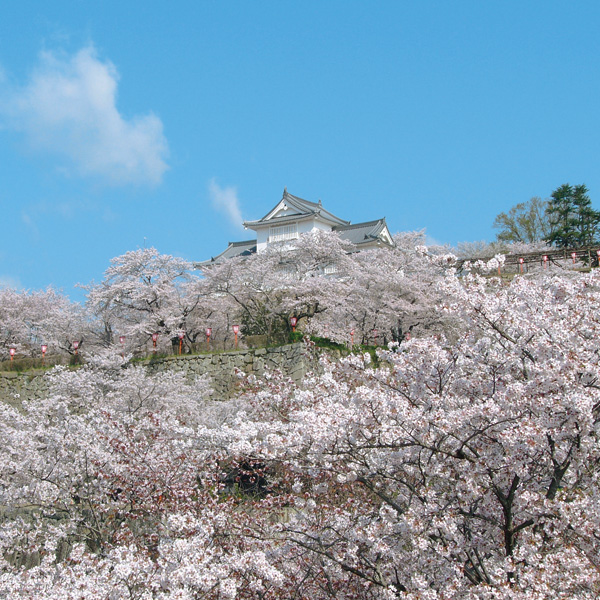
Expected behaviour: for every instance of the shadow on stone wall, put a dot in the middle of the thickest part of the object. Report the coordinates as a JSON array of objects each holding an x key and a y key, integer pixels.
[{"x": 293, "y": 360}]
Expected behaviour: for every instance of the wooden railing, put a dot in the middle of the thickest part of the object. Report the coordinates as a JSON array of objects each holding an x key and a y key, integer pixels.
[{"x": 562, "y": 257}]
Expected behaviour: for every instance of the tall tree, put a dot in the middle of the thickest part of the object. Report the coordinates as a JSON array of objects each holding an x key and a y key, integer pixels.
[
  {"x": 587, "y": 220},
  {"x": 144, "y": 292},
  {"x": 572, "y": 219},
  {"x": 526, "y": 222}
]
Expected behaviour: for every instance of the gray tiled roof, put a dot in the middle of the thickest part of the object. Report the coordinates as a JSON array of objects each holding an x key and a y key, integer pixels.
[
  {"x": 303, "y": 208},
  {"x": 233, "y": 249},
  {"x": 362, "y": 233}
]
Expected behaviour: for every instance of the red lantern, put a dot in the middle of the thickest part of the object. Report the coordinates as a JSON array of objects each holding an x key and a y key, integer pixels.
[
  {"x": 12, "y": 353},
  {"x": 154, "y": 338},
  {"x": 545, "y": 259},
  {"x": 236, "y": 330},
  {"x": 181, "y": 335},
  {"x": 75, "y": 346},
  {"x": 293, "y": 321},
  {"x": 44, "y": 349},
  {"x": 573, "y": 256}
]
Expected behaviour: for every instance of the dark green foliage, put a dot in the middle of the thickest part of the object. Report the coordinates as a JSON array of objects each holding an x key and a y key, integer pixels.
[
  {"x": 573, "y": 221},
  {"x": 321, "y": 342},
  {"x": 30, "y": 363},
  {"x": 261, "y": 321},
  {"x": 296, "y": 336},
  {"x": 587, "y": 219}
]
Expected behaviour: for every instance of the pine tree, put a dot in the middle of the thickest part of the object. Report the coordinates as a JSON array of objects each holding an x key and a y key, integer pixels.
[
  {"x": 587, "y": 219},
  {"x": 560, "y": 214},
  {"x": 573, "y": 221}
]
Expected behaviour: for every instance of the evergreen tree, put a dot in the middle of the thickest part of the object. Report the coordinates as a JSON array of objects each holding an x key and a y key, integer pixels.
[
  {"x": 587, "y": 219},
  {"x": 573, "y": 221},
  {"x": 560, "y": 209}
]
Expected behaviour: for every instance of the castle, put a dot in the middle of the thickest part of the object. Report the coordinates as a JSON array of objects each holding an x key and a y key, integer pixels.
[{"x": 292, "y": 216}]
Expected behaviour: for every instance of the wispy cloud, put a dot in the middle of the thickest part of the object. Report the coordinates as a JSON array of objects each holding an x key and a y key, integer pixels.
[
  {"x": 30, "y": 224},
  {"x": 68, "y": 108},
  {"x": 431, "y": 241},
  {"x": 37, "y": 215},
  {"x": 225, "y": 200}
]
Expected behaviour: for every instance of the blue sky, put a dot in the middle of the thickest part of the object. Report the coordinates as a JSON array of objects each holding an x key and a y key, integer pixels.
[{"x": 160, "y": 123}]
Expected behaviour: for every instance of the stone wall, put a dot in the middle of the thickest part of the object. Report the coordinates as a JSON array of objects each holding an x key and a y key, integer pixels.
[
  {"x": 293, "y": 360},
  {"x": 16, "y": 387}
]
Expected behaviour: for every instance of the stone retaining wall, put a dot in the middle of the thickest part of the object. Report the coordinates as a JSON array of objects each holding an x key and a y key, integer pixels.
[
  {"x": 293, "y": 360},
  {"x": 16, "y": 387}
]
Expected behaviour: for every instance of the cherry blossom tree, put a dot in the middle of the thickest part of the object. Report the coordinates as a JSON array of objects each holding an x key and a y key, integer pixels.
[
  {"x": 332, "y": 289},
  {"x": 117, "y": 482},
  {"x": 385, "y": 293},
  {"x": 30, "y": 319},
  {"x": 144, "y": 292},
  {"x": 462, "y": 470},
  {"x": 264, "y": 290},
  {"x": 461, "y": 466}
]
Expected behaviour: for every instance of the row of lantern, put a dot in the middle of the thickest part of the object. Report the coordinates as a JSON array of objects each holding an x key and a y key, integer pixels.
[
  {"x": 13, "y": 351},
  {"x": 545, "y": 259},
  {"x": 180, "y": 335}
]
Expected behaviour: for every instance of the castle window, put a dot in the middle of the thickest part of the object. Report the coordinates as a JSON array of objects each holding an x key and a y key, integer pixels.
[{"x": 283, "y": 233}]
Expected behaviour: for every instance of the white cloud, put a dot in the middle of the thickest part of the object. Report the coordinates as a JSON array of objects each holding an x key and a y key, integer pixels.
[
  {"x": 431, "y": 241},
  {"x": 68, "y": 107},
  {"x": 225, "y": 200}
]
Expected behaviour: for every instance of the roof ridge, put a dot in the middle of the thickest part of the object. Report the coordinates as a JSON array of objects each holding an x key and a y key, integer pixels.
[
  {"x": 286, "y": 193},
  {"x": 241, "y": 243},
  {"x": 302, "y": 204},
  {"x": 363, "y": 224}
]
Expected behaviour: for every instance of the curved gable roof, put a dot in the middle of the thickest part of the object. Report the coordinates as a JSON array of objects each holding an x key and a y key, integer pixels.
[
  {"x": 364, "y": 233},
  {"x": 293, "y": 208},
  {"x": 233, "y": 249}
]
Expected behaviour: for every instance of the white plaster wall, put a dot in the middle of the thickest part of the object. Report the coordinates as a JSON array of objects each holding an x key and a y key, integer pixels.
[
  {"x": 305, "y": 227},
  {"x": 318, "y": 225},
  {"x": 262, "y": 237}
]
